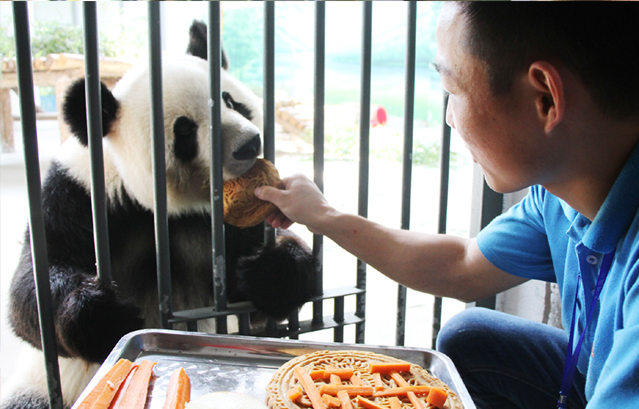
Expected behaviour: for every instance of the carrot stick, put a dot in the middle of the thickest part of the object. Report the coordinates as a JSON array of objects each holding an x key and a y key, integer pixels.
[
  {"x": 178, "y": 392},
  {"x": 309, "y": 387},
  {"x": 345, "y": 400},
  {"x": 111, "y": 381},
  {"x": 125, "y": 385},
  {"x": 335, "y": 380},
  {"x": 377, "y": 378},
  {"x": 384, "y": 367},
  {"x": 417, "y": 404},
  {"x": 395, "y": 403},
  {"x": 294, "y": 393},
  {"x": 134, "y": 397},
  {"x": 351, "y": 389},
  {"x": 437, "y": 397},
  {"x": 365, "y": 403},
  {"x": 317, "y": 375},
  {"x": 403, "y": 390},
  {"x": 399, "y": 379},
  {"x": 343, "y": 373},
  {"x": 356, "y": 380},
  {"x": 331, "y": 402}
]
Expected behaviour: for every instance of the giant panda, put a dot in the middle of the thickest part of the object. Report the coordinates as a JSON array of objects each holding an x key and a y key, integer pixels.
[{"x": 91, "y": 316}]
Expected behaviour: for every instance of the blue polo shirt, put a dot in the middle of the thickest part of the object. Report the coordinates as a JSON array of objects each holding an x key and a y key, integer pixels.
[{"x": 543, "y": 238}]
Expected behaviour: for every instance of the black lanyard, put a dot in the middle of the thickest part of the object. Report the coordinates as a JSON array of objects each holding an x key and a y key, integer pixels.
[{"x": 572, "y": 357}]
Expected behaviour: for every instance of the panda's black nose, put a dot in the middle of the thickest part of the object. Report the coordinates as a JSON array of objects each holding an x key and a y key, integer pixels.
[{"x": 249, "y": 150}]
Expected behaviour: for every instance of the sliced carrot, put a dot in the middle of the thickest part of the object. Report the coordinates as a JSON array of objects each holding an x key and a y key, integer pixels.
[
  {"x": 294, "y": 393},
  {"x": 134, "y": 397},
  {"x": 356, "y": 380},
  {"x": 351, "y": 389},
  {"x": 335, "y": 380},
  {"x": 365, "y": 403},
  {"x": 343, "y": 373},
  {"x": 399, "y": 379},
  {"x": 395, "y": 403},
  {"x": 107, "y": 387},
  {"x": 345, "y": 400},
  {"x": 403, "y": 390},
  {"x": 385, "y": 367},
  {"x": 125, "y": 386},
  {"x": 331, "y": 402},
  {"x": 317, "y": 375},
  {"x": 377, "y": 378},
  {"x": 309, "y": 387},
  {"x": 178, "y": 392},
  {"x": 417, "y": 404},
  {"x": 437, "y": 397}
]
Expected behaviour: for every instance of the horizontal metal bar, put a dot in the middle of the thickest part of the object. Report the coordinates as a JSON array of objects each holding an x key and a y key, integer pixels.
[{"x": 309, "y": 326}]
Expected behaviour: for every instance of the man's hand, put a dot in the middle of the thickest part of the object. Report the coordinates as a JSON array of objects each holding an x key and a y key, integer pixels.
[{"x": 300, "y": 202}]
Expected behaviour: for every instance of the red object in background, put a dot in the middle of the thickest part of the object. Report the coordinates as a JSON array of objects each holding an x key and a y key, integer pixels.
[{"x": 378, "y": 115}]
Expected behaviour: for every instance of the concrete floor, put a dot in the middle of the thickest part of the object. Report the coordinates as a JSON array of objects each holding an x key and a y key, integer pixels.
[{"x": 339, "y": 267}]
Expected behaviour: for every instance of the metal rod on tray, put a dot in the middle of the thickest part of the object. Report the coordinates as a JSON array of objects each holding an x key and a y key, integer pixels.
[
  {"x": 37, "y": 234},
  {"x": 364, "y": 155},
  {"x": 318, "y": 144},
  {"x": 444, "y": 167},
  {"x": 217, "y": 182},
  {"x": 407, "y": 161},
  {"x": 163, "y": 258},
  {"x": 94, "y": 127}
]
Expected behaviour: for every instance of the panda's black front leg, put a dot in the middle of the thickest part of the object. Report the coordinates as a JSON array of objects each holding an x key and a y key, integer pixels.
[
  {"x": 279, "y": 277},
  {"x": 89, "y": 316}
]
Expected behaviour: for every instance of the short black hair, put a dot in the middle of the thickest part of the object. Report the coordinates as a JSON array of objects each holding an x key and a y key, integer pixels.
[{"x": 597, "y": 41}]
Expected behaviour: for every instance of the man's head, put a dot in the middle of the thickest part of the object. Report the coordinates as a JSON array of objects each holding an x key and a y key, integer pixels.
[
  {"x": 597, "y": 41},
  {"x": 528, "y": 96}
]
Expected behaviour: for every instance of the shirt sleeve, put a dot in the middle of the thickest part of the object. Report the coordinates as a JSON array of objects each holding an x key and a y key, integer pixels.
[{"x": 516, "y": 241}]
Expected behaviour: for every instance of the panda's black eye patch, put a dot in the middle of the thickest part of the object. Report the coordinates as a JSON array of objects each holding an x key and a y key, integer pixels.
[
  {"x": 185, "y": 146},
  {"x": 237, "y": 106}
]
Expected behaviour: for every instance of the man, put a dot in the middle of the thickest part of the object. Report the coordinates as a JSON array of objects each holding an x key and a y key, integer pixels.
[{"x": 544, "y": 96}]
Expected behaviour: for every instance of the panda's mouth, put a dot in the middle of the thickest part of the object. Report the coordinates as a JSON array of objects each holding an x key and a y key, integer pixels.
[{"x": 237, "y": 168}]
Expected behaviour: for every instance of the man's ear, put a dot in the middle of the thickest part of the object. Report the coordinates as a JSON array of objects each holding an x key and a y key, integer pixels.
[{"x": 549, "y": 97}]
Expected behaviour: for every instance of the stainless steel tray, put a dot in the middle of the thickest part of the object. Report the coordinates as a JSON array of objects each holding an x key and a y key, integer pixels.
[{"x": 244, "y": 364}]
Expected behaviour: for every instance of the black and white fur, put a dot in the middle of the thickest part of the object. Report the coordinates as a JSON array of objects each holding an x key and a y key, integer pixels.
[{"x": 91, "y": 316}]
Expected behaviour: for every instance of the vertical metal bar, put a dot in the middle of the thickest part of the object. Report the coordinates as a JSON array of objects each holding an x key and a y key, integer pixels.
[
  {"x": 338, "y": 316},
  {"x": 318, "y": 143},
  {"x": 94, "y": 127},
  {"x": 444, "y": 168},
  {"x": 407, "y": 161},
  {"x": 364, "y": 155},
  {"x": 269, "y": 97},
  {"x": 217, "y": 182},
  {"x": 162, "y": 254},
  {"x": 36, "y": 218}
]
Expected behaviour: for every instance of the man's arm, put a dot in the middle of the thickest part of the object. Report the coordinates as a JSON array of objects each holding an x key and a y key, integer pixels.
[{"x": 437, "y": 264}]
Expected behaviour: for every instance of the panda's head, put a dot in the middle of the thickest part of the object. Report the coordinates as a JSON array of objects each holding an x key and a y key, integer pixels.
[{"x": 127, "y": 130}]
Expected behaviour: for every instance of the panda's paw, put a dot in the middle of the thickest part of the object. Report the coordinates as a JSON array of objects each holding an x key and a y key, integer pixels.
[
  {"x": 93, "y": 318},
  {"x": 278, "y": 278}
]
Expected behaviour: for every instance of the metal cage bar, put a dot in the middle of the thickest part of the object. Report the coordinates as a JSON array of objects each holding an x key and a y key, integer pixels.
[
  {"x": 364, "y": 155},
  {"x": 160, "y": 214},
  {"x": 37, "y": 233},
  {"x": 407, "y": 161},
  {"x": 94, "y": 127},
  {"x": 217, "y": 182}
]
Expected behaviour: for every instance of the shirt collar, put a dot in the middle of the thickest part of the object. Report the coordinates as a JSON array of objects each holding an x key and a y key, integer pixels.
[{"x": 615, "y": 215}]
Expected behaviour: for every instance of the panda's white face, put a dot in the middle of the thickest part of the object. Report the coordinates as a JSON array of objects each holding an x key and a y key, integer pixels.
[{"x": 186, "y": 129}]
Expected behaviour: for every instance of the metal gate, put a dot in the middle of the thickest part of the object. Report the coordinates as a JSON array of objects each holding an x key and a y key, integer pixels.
[{"x": 490, "y": 204}]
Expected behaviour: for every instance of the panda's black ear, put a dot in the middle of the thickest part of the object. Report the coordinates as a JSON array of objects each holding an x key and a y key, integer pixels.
[
  {"x": 75, "y": 110},
  {"x": 198, "y": 43}
]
